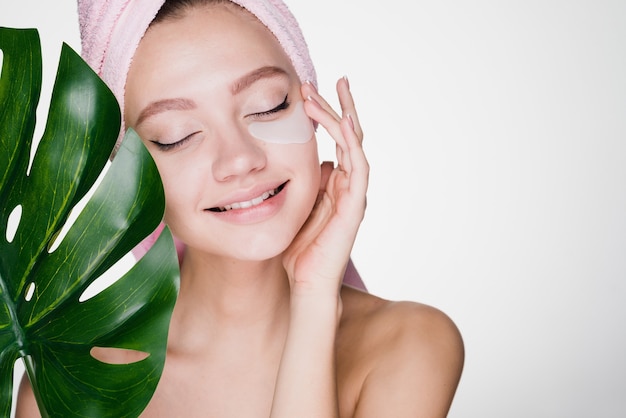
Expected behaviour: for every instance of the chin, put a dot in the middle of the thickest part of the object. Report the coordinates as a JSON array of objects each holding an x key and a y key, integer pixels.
[
  {"x": 259, "y": 248},
  {"x": 253, "y": 246}
]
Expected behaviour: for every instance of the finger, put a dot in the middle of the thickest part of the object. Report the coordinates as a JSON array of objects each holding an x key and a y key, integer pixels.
[
  {"x": 344, "y": 158},
  {"x": 359, "y": 167},
  {"x": 346, "y": 101},
  {"x": 339, "y": 154},
  {"x": 309, "y": 90},
  {"x": 327, "y": 119},
  {"x": 333, "y": 128}
]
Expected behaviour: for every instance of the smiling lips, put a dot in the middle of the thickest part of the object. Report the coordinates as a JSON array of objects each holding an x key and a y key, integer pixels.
[{"x": 250, "y": 203}]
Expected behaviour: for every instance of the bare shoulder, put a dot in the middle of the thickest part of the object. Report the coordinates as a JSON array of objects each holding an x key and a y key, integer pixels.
[
  {"x": 403, "y": 355},
  {"x": 399, "y": 325}
]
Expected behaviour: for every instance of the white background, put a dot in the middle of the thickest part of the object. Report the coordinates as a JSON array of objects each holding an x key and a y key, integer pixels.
[{"x": 496, "y": 133}]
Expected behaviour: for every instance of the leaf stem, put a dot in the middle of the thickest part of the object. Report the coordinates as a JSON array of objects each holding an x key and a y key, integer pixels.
[{"x": 20, "y": 336}]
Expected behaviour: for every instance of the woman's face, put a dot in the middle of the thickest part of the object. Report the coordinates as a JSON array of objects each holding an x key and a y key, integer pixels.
[{"x": 195, "y": 85}]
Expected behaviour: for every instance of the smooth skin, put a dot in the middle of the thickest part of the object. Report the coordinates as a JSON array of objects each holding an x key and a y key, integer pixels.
[{"x": 263, "y": 325}]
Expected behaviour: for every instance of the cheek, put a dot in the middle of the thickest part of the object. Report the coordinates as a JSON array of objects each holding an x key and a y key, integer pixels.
[
  {"x": 176, "y": 186},
  {"x": 173, "y": 206},
  {"x": 310, "y": 160},
  {"x": 316, "y": 170}
]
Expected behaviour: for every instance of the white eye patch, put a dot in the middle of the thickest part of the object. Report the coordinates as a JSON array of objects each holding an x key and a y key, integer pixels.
[{"x": 295, "y": 128}]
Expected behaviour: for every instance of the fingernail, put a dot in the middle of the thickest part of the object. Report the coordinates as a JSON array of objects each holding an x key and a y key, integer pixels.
[
  {"x": 350, "y": 120},
  {"x": 310, "y": 83},
  {"x": 345, "y": 77}
]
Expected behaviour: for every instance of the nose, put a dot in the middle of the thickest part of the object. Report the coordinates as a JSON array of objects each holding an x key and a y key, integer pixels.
[{"x": 238, "y": 154}]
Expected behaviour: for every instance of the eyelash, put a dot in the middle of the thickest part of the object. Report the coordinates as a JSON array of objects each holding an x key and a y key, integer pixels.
[
  {"x": 171, "y": 146},
  {"x": 284, "y": 105},
  {"x": 168, "y": 147}
]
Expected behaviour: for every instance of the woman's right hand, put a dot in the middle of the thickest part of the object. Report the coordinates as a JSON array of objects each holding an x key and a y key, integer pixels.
[{"x": 317, "y": 258}]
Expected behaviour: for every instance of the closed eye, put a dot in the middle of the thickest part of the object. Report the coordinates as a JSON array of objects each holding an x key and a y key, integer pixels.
[
  {"x": 173, "y": 145},
  {"x": 284, "y": 105}
]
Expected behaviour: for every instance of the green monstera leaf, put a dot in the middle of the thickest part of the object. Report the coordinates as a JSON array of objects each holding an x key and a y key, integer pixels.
[{"x": 43, "y": 274}]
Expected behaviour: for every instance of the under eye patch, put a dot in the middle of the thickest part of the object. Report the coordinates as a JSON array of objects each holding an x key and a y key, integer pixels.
[{"x": 294, "y": 128}]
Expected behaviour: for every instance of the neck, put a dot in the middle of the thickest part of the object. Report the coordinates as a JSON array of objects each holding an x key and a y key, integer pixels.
[{"x": 225, "y": 299}]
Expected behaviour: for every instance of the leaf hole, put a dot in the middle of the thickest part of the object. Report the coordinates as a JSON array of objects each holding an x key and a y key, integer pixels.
[
  {"x": 30, "y": 291},
  {"x": 13, "y": 223},
  {"x": 108, "y": 278},
  {"x": 112, "y": 355}
]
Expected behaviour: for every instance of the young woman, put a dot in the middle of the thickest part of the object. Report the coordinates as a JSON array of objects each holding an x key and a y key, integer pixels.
[{"x": 263, "y": 326}]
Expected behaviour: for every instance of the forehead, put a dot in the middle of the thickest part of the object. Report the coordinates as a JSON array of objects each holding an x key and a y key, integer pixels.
[{"x": 221, "y": 28}]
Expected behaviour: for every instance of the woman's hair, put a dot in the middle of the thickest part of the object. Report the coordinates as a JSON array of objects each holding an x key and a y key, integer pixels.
[{"x": 175, "y": 9}]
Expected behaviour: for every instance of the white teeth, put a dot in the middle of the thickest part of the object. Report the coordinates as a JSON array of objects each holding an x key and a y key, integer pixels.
[{"x": 249, "y": 203}]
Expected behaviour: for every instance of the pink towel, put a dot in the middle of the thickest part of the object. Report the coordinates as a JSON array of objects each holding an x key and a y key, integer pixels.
[{"x": 111, "y": 30}]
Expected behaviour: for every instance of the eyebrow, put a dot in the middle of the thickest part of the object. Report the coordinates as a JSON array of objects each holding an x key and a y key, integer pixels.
[
  {"x": 161, "y": 106},
  {"x": 255, "y": 75}
]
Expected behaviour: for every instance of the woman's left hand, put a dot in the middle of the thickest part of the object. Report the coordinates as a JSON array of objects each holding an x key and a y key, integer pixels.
[{"x": 317, "y": 258}]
